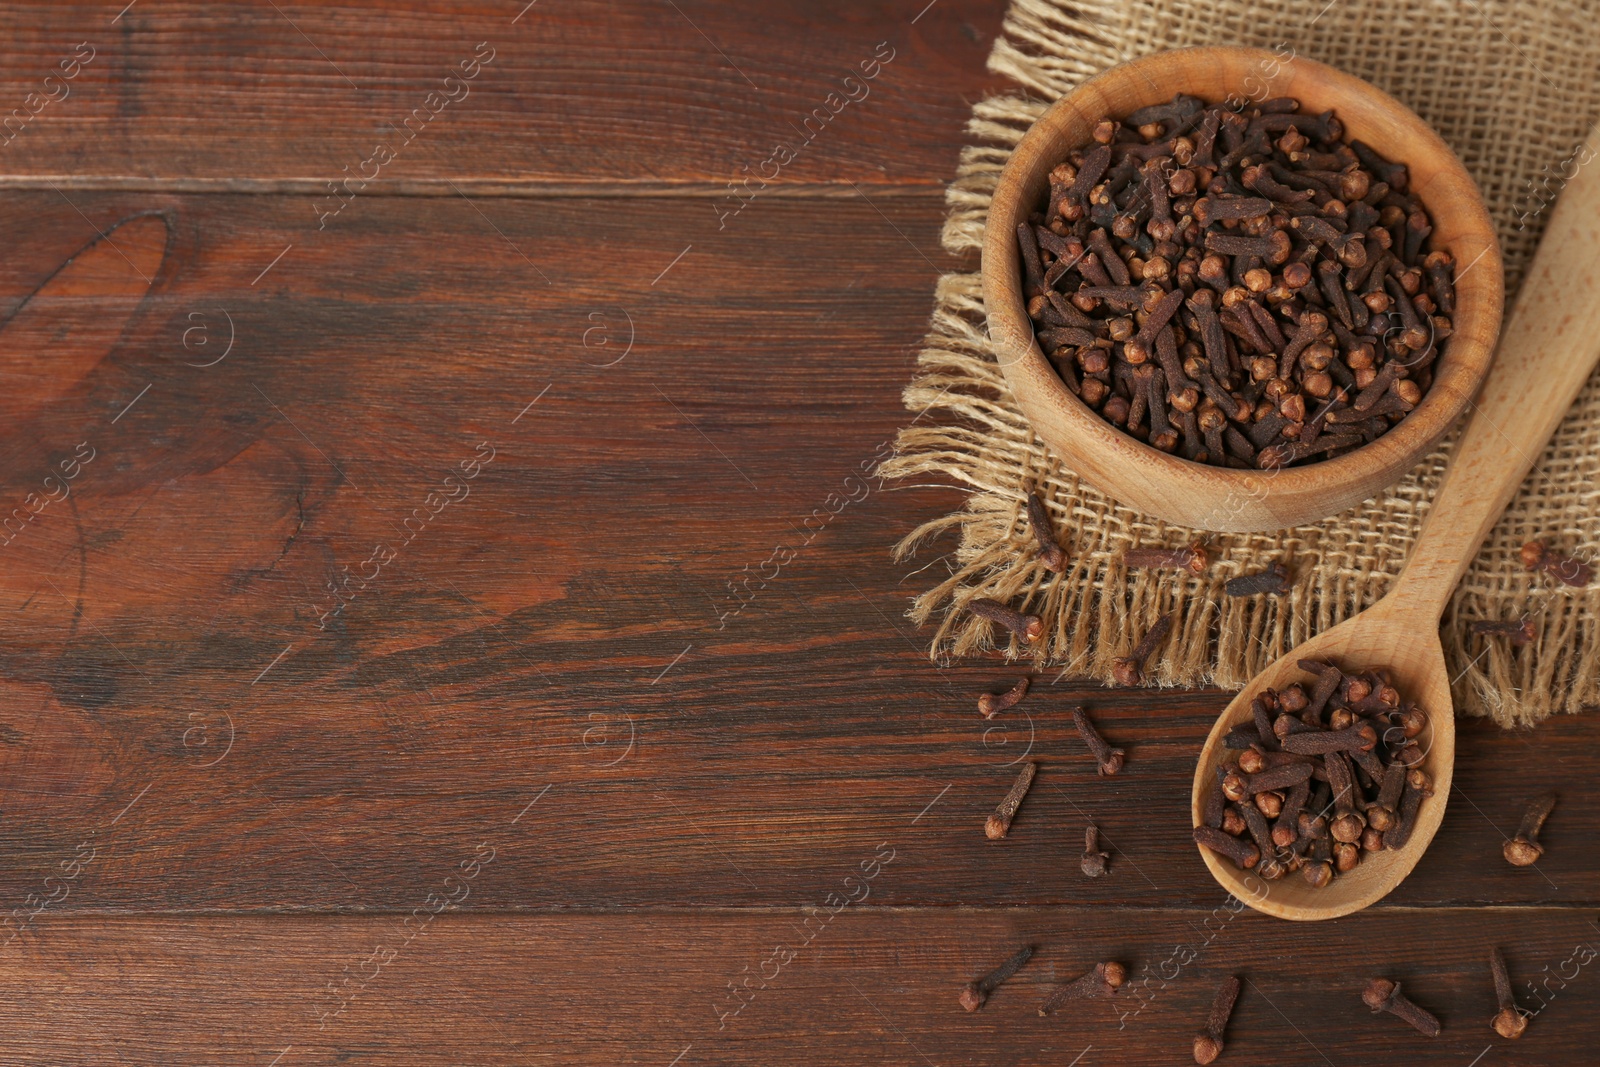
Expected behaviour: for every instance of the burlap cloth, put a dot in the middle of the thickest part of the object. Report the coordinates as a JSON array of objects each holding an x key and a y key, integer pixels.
[{"x": 1513, "y": 88}]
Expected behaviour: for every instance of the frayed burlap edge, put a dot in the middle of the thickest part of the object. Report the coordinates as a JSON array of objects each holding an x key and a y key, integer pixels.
[{"x": 1096, "y": 611}]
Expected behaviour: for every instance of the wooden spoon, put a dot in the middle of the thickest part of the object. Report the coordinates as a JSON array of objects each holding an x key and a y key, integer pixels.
[{"x": 1546, "y": 354}]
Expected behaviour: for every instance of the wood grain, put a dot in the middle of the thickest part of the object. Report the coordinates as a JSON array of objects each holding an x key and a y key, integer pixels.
[
  {"x": 655, "y": 658},
  {"x": 648, "y": 95},
  {"x": 578, "y": 599},
  {"x": 864, "y": 985}
]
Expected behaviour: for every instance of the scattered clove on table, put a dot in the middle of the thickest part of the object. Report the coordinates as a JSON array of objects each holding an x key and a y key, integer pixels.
[
  {"x": 1383, "y": 995},
  {"x": 999, "y": 824},
  {"x": 1509, "y": 1022},
  {"x": 975, "y": 994},
  {"x": 1094, "y": 859},
  {"x": 992, "y": 704},
  {"x": 1109, "y": 759},
  {"x": 1208, "y": 1043},
  {"x": 1103, "y": 981},
  {"x": 1524, "y": 850}
]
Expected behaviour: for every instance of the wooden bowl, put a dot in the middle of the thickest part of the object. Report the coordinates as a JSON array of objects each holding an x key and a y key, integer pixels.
[{"x": 1218, "y": 498}]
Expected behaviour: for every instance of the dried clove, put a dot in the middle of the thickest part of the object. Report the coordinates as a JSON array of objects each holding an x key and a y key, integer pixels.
[
  {"x": 1518, "y": 633},
  {"x": 1285, "y": 830},
  {"x": 1406, "y": 820},
  {"x": 1241, "y": 738},
  {"x": 1348, "y": 824},
  {"x": 976, "y": 993},
  {"x": 1524, "y": 850},
  {"x": 1129, "y": 670},
  {"x": 999, "y": 823},
  {"x": 1050, "y": 552},
  {"x": 1103, "y": 981},
  {"x": 1208, "y": 1042},
  {"x": 1274, "y": 581},
  {"x": 1094, "y": 860},
  {"x": 1244, "y": 854},
  {"x": 1382, "y": 994},
  {"x": 1192, "y": 559},
  {"x": 1318, "y": 868},
  {"x": 1508, "y": 1022},
  {"x": 1028, "y": 627},
  {"x": 992, "y": 704},
  {"x": 1109, "y": 759},
  {"x": 1318, "y": 742},
  {"x": 1568, "y": 570},
  {"x": 1285, "y": 775}
]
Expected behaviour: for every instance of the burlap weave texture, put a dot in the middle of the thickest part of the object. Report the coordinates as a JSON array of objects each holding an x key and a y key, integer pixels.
[{"x": 1512, "y": 88}]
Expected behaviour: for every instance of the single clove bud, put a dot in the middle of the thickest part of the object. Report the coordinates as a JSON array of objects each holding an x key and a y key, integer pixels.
[
  {"x": 1050, "y": 551},
  {"x": 1568, "y": 570},
  {"x": 1243, "y": 853},
  {"x": 992, "y": 704},
  {"x": 1192, "y": 558},
  {"x": 1383, "y": 995},
  {"x": 1348, "y": 824},
  {"x": 1129, "y": 670},
  {"x": 1274, "y": 581},
  {"x": 1406, "y": 819},
  {"x": 1208, "y": 1042},
  {"x": 1328, "y": 681},
  {"x": 1103, "y": 981},
  {"x": 1518, "y": 633},
  {"x": 1000, "y": 822},
  {"x": 1285, "y": 831},
  {"x": 1027, "y": 627},
  {"x": 975, "y": 993},
  {"x": 1318, "y": 871},
  {"x": 1510, "y": 1022},
  {"x": 1524, "y": 850},
  {"x": 1318, "y": 742},
  {"x": 1241, "y": 738},
  {"x": 1260, "y": 832},
  {"x": 1110, "y": 759},
  {"x": 1094, "y": 860},
  {"x": 1285, "y": 775}
]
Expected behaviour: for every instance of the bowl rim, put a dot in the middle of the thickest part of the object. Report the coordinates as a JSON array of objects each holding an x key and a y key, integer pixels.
[{"x": 1462, "y": 364}]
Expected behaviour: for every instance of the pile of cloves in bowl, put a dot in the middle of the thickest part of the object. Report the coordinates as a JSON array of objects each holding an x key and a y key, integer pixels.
[{"x": 1240, "y": 287}]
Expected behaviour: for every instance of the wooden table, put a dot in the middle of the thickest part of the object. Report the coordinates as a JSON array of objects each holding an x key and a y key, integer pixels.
[{"x": 447, "y": 619}]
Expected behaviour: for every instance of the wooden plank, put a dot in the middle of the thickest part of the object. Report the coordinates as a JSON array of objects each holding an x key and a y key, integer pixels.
[
  {"x": 292, "y": 97},
  {"x": 865, "y": 985},
  {"x": 568, "y": 624},
  {"x": 637, "y": 705}
]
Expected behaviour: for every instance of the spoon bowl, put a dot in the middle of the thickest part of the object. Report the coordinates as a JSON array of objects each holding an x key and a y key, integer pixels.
[{"x": 1379, "y": 637}]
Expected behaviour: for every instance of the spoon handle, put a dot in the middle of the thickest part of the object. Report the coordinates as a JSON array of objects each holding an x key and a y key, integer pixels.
[{"x": 1547, "y": 351}]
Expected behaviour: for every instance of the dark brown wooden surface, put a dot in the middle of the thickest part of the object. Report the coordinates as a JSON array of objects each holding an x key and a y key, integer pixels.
[{"x": 637, "y": 711}]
